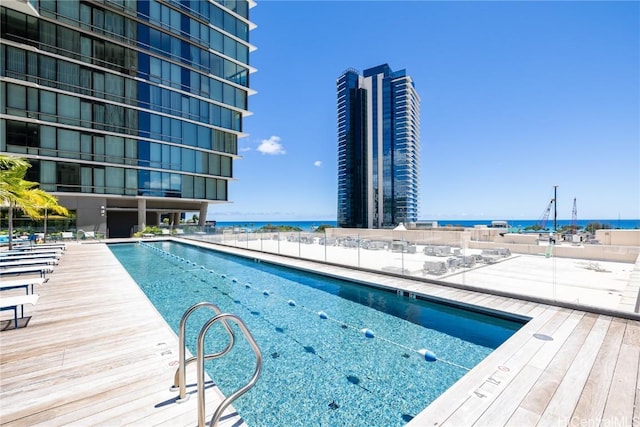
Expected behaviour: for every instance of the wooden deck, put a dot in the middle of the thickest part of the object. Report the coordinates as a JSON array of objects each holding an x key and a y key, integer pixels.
[{"x": 96, "y": 352}]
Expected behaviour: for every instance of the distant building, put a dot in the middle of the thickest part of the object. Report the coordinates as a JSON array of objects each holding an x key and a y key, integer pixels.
[
  {"x": 378, "y": 148},
  {"x": 128, "y": 111}
]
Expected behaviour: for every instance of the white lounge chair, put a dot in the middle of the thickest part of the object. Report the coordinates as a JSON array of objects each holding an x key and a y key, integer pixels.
[
  {"x": 87, "y": 234},
  {"x": 28, "y": 244},
  {"x": 27, "y": 262},
  {"x": 32, "y": 251},
  {"x": 6, "y": 256},
  {"x": 26, "y": 283},
  {"x": 42, "y": 269},
  {"x": 12, "y": 303}
]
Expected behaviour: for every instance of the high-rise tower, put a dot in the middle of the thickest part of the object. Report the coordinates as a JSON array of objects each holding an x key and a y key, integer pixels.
[
  {"x": 378, "y": 148},
  {"x": 128, "y": 111}
]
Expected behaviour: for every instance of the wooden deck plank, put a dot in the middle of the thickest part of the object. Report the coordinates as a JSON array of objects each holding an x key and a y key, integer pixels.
[
  {"x": 502, "y": 302},
  {"x": 537, "y": 399},
  {"x": 81, "y": 408},
  {"x": 229, "y": 416},
  {"x": 480, "y": 300},
  {"x": 70, "y": 360},
  {"x": 125, "y": 412},
  {"x": 594, "y": 395},
  {"x": 62, "y": 363},
  {"x": 126, "y": 370},
  {"x": 564, "y": 400},
  {"x": 81, "y": 405},
  {"x": 489, "y": 390},
  {"x": 512, "y": 394},
  {"x": 619, "y": 409},
  {"x": 521, "y": 307},
  {"x": 444, "y": 293}
]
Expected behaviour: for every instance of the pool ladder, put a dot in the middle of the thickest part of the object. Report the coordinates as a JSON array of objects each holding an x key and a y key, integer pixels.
[{"x": 179, "y": 381}]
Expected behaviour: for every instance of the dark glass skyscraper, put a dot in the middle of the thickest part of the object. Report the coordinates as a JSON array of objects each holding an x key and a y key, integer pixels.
[
  {"x": 378, "y": 148},
  {"x": 127, "y": 110}
]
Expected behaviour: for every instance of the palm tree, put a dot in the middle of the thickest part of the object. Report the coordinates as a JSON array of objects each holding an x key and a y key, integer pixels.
[
  {"x": 48, "y": 203},
  {"x": 18, "y": 193},
  {"x": 12, "y": 170}
]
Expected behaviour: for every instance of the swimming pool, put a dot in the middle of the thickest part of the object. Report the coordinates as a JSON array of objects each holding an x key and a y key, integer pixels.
[{"x": 316, "y": 371}]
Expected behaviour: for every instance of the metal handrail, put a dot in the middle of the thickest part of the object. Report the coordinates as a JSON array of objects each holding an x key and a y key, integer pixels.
[
  {"x": 201, "y": 358},
  {"x": 179, "y": 380}
]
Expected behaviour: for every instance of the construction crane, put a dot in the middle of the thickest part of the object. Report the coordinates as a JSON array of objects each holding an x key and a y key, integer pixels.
[
  {"x": 542, "y": 222},
  {"x": 574, "y": 218}
]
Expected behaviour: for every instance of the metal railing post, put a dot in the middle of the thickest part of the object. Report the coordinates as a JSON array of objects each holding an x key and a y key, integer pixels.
[
  {"x": 325, "y": 245},
  {"x": 179, "y": 380},
  {"x": 201, "y": 357},
  {"x": 402, "y": 255}
]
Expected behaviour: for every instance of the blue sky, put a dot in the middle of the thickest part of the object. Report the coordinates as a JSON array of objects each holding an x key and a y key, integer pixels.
[{"x": 516, "y": 97}]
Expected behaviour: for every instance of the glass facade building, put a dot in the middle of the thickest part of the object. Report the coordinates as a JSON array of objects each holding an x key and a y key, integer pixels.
[
  {"x": 378, "y": 148},
  {"x": 128, "y": 111}
]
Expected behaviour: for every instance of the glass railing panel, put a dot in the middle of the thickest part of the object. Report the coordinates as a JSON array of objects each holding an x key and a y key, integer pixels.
[
  {"x": 310, "y": 247},
  {"x": 584, "y": 273}
]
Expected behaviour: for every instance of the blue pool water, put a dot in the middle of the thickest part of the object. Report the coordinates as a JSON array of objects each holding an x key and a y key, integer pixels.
[{"x": 321, "y": 372}]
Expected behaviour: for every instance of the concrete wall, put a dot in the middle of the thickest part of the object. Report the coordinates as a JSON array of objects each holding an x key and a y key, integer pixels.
[
  {"x": 619, "y": 237},
  {"x": 88, "y": 215},
  {"x": 486, "y": 234},
  {"x": 522, "y": 239}
]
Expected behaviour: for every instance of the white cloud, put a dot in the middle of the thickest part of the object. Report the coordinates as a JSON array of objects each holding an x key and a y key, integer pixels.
[
  {"x": 243, "y": 149},
  {"x": 317, "y": 163},
  {"x": 271, "y": 146}
]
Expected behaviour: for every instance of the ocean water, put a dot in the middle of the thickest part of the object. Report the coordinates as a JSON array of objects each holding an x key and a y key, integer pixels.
[
  {"x": 254, "y": 225},
  {"x": 516, "y": 223}
]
